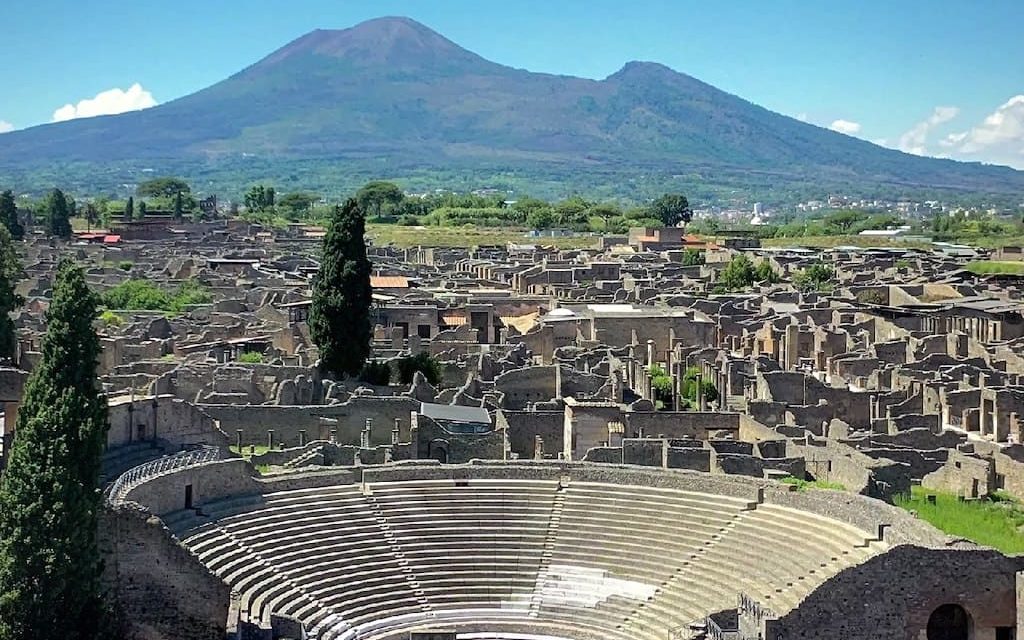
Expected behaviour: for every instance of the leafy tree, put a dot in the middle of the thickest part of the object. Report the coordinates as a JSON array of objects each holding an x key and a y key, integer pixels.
[
  {"x": 376, "y": 373},
  {"x": 671, "y": 209},
  {"x": 764, "y": 272},
  {"x": 814, "y": 278},
  {"x": 129, "y": 209},
  {"x": 57, "y": 214},
  {"x": 9, "y": 215},
  {"x": 91, "y": 214},
  {"x": 260, "y": 199},
  {"x": 165, "y": 187},
  {"x": 422, "y": 362},
  {"x": 10, "y": 272},
  {"x": 540, "y": 218},
  {"x": 375, "y": 195},
  {"x": 296, "y": 205},
  {"x": 695, "y": 386},
  {"x": 662, "y": 385},
  {"x": 339, "y": 319},
  {"x": 50, "y": 565},
  {"x": 141, "y": 212},
  {"x": 737, "y": 275},
  {"x": 693, "y": 258}
]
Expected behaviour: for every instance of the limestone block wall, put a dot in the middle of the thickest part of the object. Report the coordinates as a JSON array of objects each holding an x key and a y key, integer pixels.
[
  {"x": 907, "y": 584},
  {"x": 165, "y": 417},
  {"x": 522, "y": 427},
  {"x": 160, "y": 591}
]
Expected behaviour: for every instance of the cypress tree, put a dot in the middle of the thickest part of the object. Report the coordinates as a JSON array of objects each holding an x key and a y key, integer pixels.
[
  {"x": 129, "y": 209},
  {"x": 10, "y": 271},
  {"x": 179, "y": 206},
  {"x": 141, "y": 210},
  {"x": 9, "y": 215},
  {"x": 58, "y": 214},
  {"x": 339, "y": 319},
  {"x": 49, "y": 499}
]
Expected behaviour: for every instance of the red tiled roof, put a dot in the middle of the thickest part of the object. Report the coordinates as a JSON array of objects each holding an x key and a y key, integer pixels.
[{"x": 111, "y": 239}]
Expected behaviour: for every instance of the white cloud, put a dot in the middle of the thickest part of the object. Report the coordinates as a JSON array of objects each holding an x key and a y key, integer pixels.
[
  {"x": 107, "y": 102},
  {"x": 802, "y": 116},
  {"x": 845, "y": 126},
  {"x": 916, "y": 139},
  {"x": 6, "y": 126},
  {"x": 882, "y": 142},
  {"x": 998, "y": 139}
]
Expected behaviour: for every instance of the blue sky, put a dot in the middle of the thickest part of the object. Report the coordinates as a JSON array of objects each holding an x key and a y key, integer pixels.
[{"x": 929, "y": 76}]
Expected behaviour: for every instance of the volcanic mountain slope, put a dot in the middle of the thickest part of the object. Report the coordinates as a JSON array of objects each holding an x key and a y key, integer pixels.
[{"x": 392, "y": 88}]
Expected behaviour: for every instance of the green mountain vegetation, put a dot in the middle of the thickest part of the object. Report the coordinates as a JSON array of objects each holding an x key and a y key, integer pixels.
[{"x": 391, "y": 98}]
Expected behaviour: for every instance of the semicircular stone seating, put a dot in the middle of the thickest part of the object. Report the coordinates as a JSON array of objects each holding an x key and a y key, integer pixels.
[{"x": 499, "y": 557}]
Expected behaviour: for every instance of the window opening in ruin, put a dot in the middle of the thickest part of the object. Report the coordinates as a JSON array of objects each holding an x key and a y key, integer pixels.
[
  {"x": 1005, "y": 633},
  {"x": 949, "y": 622},
  {"x": 188, "y": 496}
]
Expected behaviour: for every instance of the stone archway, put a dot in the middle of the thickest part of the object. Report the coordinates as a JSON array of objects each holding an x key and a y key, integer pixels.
[
  {"x": 438, "y": 450},
  {"x": 950, "y": 622}
]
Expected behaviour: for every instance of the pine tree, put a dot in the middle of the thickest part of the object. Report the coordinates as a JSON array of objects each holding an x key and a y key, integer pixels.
[
  {"x": 49, "y": 499},
  {"x": 9, "y": 215},
  {"x": 129, "y": 209},
  {"x": 58, "y": 214},
  {"x": 339, "y": 319},
  {"x": 10, "y": 271}
]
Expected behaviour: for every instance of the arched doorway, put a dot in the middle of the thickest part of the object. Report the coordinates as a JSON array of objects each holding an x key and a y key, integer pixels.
[
  {"x": 438, "y": 450},
  {"x": 949, "y": 622}
]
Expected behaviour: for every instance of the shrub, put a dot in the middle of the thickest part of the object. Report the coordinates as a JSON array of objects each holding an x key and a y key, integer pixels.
[
  {"x": 125, "y": 265},
  {"x": 108, "y": 317},
  {"x": 251, "y": 357},
  {"x": 422, "y": 362},
  {"x": 143, "y": 295},
  {"x": 376, "y": 373}
]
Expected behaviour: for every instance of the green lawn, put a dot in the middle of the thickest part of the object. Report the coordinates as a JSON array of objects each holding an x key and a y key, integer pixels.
[
  {"x": 403, "y": 236},
  {"x": 993, "y": 267},
  {"x": 994, "y": 522},
  {"x": 804, "y": 485},
  {"x": 260, "y": 449}
]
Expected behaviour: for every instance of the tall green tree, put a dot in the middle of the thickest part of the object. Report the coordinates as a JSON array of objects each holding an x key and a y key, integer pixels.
[
  {"x": 49, "y": 497},
  {"x": 339, "y": 319},
  {"x": 164, "y": 187},
  {"x": 378, "y": 193},
  {"x": 141, "y": 210},
  {"x": 671, "y": 209},
  {"x": 9, "y": 215},
  {"x": 259, "y": 199},
  {"x": 58, "y": 214},
  {"x": 10, "y": 273},
  {"x": 129, "y": 209},
  {"x": 179, "y": 206}
]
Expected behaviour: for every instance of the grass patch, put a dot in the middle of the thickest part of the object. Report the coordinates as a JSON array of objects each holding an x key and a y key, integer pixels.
[
  {"x": 828, "y": 242},
  {"x": 250, "y": 450},
  {"x": 468, "y": 236},
  {"x": 995, "y": 267},
  {"x": 993, "y": 522},
  {"x": 805, "y": 485}
]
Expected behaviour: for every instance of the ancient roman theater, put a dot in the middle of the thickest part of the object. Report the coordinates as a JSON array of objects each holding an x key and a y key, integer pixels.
[{"x": 531, "y": 549}]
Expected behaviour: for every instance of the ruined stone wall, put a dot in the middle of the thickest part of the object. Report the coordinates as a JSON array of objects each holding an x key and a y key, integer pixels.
[
  {"x": 907, "y": 584},
  {"x": 522, "y": 428},
  {"x": 525, "y": 386},
  {"x": 164, "y": 417},
  {"x": 287, "y": 421},
  {"x": 681, "y": 424},
  {"x": 159, "y": 590}
]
